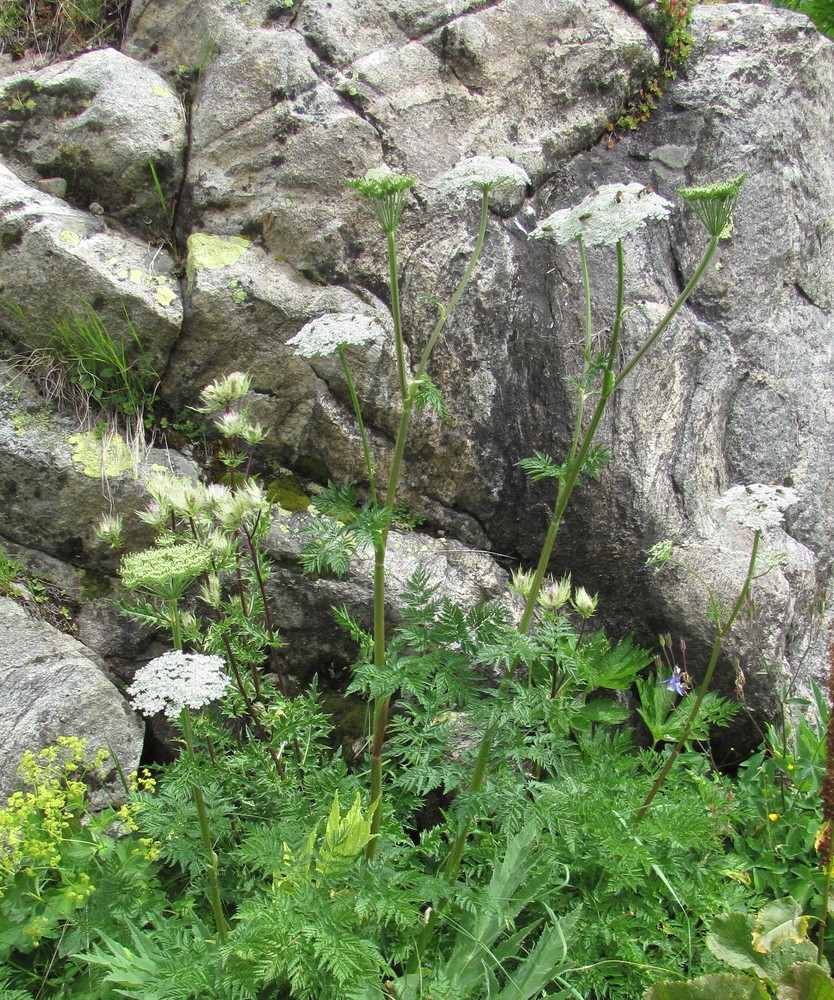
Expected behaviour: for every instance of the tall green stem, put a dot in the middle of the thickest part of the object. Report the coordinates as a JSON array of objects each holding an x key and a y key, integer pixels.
[
  {"x": 721, "y": 633},
  {"x": 205, "y": 833},
  {"x": 357, "y": 410},
  {"x": 382, "y": 704},
  {"x": 667, "y": 319},
  {"x": 393, "y": 279},
  {"x": 567, "y": 482},
  {"x": 197, "y": 789}
]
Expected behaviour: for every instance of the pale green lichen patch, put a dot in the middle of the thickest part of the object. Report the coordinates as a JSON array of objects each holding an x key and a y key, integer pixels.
[
  {"x": 95, "y": 456},
  {"x": 70, "y": 237},
  {"x": 135, "y": 276},
  {"x": 165, "y": 295},
  {"x": 207, "y": 253},
  {"x": 238, "y": 292},
  {"x": 161, "y": 91}
]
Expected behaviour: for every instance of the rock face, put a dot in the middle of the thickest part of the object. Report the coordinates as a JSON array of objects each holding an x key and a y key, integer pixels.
[
  {"x": 285, "y": 102},
  {"x": 50, "y": 687},
  {"x": 95, "y": 122}
]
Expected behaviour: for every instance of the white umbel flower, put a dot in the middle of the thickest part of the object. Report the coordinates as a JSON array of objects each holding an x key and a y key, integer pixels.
[
  {"x": 335, "y": 331},
  {"x": 606, "y": 216},
  {"x": 757, "y": 506},
  {"x": 175, "y": 680},
  {"x": 483, "y": 173}
]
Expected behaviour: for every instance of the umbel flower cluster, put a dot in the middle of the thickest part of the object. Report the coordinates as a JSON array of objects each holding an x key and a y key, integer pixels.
[
  {"x": 334, "y": 332},
  {"x": 177, "y": 680},
  {"x": 483, "y": 173},
  {"x": 757, "y": 506},
  {"x": 606, "y": 216}
]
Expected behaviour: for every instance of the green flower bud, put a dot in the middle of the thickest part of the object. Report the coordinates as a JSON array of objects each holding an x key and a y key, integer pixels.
[
  {"x": 713, "y": 203},
  {"x": 554, "y": 595},
  {"x": 583, "y": 604},
  {"x": 521, "y": 583},
  {"x": 386, "y": 192},
  {"x": 109, "y": 529},
  {"x": 223, "y": 391}
]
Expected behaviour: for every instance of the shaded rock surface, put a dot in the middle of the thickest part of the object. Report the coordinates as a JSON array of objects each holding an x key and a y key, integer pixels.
[
  {"x": 50, "y": 687},
  {"x": 314, "y": 642},
  {"x": 95, "y": 122}
]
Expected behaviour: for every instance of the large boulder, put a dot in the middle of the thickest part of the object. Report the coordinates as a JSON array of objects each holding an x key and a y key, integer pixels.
[
  {"x": 739, "y": 388},
  {"x": 287, "y": 101},
  {"x": 55, "y": 259},
  {"x": 94, "y": 123},
  {"x": 50, "y": 687}
]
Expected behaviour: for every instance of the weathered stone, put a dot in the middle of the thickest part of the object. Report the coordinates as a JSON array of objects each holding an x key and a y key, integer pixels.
[
  {"x": 96, "y": 121},
  {"x": 306, "y": 404},
  {"x": 54, "y": 258},
  {"x": 739, "y": 388},
  {"x": 314, "y": 642},
  {"x": 288, "y": 101},
  {"x": 49, "y": 688},
  {"x": 53, "y": 487}
]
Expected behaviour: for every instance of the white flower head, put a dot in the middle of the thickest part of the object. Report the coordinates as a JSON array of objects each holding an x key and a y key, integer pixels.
[
  {"x": 483, "y": 173},
  {"x": 757, "y": 506},
  {"x": 334, "y": 332},
  {"x": 177, "y": 680},
  {"x": 606, "y": 216}
]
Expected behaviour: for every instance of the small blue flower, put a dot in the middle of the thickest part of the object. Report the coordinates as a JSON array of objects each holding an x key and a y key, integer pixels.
[{"x": 675, "y": 683}]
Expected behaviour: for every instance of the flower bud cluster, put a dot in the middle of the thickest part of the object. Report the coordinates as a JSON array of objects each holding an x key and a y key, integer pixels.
[
  {"x": 165, "y": 571},
  {"x": 555, "y": 594},
  {"x": 386, "y": 191},
  {"x": 221, "y": 400}
]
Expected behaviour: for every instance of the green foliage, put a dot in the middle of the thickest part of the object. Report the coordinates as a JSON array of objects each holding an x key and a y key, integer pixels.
[
  {"x": 79, "y": 362},
  {"x": 58, "y": 28},
  {"x": 497, "y": 841},
  {"x": 772, "y": 950},
  {"x": 53, "y": 854},
  {"x": 9, "y": 570},
  {"x": 542, "y": 466},
  {"x": 675, "y": 16},
  {"x": 777, "y": 809},
  {"x": 666, "y": 716}
]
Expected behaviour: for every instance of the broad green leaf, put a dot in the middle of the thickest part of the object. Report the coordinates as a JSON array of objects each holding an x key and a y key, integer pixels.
[
  {"x": 722, "y": 986},
  {"x": 781, "y": 920},
  {"x": 806, "y": 981},
  {"x": 599, "y": 710},
  {"x": 730, "y": 939}
]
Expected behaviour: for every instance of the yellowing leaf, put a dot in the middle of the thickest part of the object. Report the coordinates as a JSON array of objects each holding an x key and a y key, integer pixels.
[{"x": 780, "y": 921}]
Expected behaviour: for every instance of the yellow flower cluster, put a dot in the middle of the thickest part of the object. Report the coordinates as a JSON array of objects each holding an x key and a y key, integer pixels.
[
  {"x": 33, "y": 824},
  {"x": 37, "y": 821}
]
